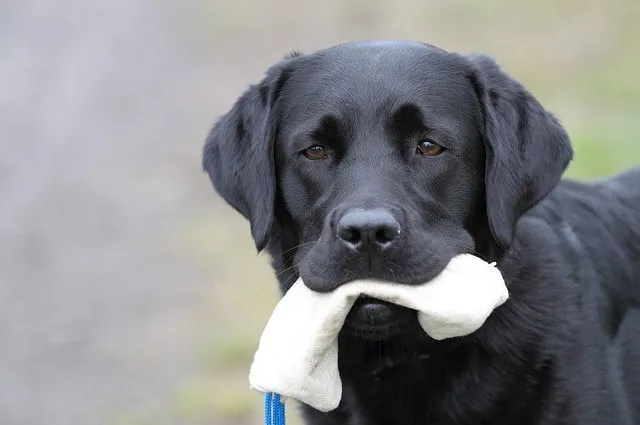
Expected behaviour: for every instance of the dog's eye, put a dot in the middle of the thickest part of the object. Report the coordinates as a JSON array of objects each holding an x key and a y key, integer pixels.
[
  {"x": 315, "y": 152},
  {"x": 429, "y": 148}
]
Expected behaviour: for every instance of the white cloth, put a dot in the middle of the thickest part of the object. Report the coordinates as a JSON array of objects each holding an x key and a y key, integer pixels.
[{"x": 298, "y": 352}]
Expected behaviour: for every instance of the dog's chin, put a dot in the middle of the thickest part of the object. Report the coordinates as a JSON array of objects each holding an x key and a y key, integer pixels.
[{"x": 375, "y": 320}]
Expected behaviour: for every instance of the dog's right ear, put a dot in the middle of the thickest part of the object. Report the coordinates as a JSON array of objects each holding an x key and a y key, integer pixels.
[
  {"x": 238, "y": 154},
  {"x": 527, "y": 149}
]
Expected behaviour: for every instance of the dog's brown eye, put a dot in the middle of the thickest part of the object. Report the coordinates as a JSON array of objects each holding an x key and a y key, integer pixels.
[
  {"x": 315, "y": 152},
  {"x": 429, "y": 148}
]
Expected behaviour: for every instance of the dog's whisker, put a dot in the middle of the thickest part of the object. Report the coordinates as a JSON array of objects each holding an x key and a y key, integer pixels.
[
  {"x": 304, "y": 259},
  {"x": 287, "y": 269},
  {"x": 297, "y": 246}
]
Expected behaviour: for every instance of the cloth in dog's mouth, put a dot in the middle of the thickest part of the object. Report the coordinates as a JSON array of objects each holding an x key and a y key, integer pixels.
[{"x": 298, "y": 352}]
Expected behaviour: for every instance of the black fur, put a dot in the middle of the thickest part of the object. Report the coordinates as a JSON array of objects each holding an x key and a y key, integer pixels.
[{"x": 565, "y": 348}]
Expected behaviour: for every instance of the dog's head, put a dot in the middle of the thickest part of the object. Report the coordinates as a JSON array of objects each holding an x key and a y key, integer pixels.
[{"x": 383, "y": 160}]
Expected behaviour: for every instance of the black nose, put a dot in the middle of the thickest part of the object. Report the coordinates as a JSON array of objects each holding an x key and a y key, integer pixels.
[{"x": 368, "y": 230}]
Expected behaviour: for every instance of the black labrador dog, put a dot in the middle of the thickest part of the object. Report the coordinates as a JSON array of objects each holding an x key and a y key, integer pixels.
[{"x": 385, "y": 159}]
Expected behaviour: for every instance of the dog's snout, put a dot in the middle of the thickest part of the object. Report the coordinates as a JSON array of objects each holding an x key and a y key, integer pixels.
[{"x": 368, "y": 230}]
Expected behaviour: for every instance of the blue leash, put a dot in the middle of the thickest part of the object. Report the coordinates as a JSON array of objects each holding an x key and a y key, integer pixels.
[{"x": 273, "y": 409}]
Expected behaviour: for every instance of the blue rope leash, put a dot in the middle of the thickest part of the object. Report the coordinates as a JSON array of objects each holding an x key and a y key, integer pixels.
[{"x": 273, "y": 409}]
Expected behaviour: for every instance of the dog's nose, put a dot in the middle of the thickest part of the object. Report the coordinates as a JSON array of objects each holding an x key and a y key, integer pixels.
[{"x": 368, "y": 230}]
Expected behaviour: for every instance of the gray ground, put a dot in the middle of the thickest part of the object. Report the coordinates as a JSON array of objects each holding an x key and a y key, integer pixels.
[{"x": 129, "y": 294}]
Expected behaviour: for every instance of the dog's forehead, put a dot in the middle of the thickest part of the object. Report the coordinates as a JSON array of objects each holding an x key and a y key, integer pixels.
[
  {"x": 377, "y": 77},
  {"x": 379, "y": 64}
]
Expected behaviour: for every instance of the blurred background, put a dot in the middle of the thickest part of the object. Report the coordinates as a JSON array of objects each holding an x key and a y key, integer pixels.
[{"x": 130, "y": 294}]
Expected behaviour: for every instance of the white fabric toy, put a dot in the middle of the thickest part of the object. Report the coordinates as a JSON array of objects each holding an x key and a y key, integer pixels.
[{"x": 298, "y": 352}]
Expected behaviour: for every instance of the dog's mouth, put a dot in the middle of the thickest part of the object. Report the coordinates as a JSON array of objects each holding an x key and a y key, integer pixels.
[{"x": 377, "y": 320}]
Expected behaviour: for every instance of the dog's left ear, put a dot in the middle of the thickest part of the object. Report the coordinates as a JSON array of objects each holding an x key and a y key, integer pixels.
[
  {"x": 527, "y": 150},
  {"x": 238, "y": 154}
]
